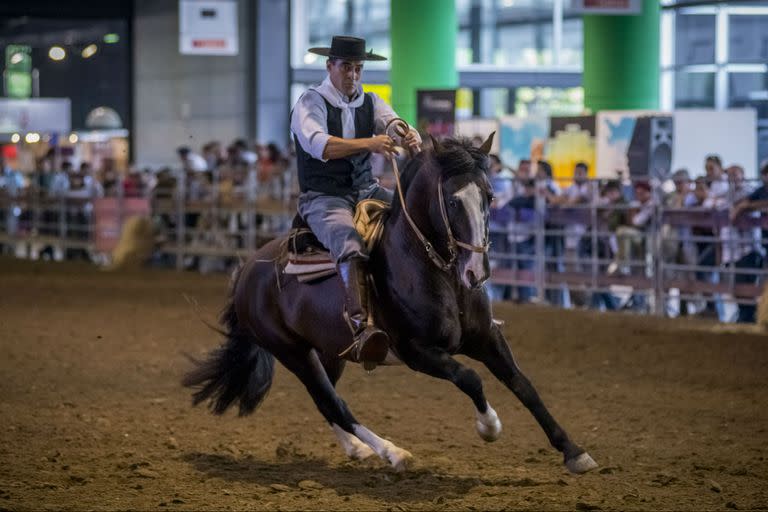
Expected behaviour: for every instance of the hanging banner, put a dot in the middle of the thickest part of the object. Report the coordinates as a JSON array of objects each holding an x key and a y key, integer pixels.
[
  {"x": 436, "y": 112},
  {"x": 208, "y": 27},
  {"x": 45, "y": 115},
  {"x": 615, "y": 7}
]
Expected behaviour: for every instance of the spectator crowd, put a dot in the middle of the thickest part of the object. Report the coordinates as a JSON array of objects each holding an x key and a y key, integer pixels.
[{"x": 578, "y": 227}]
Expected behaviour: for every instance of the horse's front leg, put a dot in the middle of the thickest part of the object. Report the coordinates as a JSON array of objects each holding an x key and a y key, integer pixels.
[
  {"x": 495, "y": 353},
  {"x": 438, "y": 363}
]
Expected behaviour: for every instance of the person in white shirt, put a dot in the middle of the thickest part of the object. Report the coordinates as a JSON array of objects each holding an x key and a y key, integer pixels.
[
  {"x": 716, "y": 178},
  {"x": 191, "y": 161}
]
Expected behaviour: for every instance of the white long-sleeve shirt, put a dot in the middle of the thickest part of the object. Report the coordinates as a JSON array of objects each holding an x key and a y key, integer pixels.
[{"x": 309, "y": 121}]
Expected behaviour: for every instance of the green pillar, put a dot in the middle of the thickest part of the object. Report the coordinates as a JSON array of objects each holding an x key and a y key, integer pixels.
[
  {"x": 423, "y": 37},
  {"x": 621, "y": 60}
]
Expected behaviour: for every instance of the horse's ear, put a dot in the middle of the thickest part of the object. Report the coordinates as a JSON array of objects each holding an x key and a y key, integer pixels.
[
  {"x": 435, "y": 145},
  {"x": 486, "y": 147}
]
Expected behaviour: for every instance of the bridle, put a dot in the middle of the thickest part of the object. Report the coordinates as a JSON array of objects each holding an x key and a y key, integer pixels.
[{"x": 401, "y": 129}]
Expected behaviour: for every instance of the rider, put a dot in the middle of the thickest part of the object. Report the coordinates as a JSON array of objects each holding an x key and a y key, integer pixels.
[{"x": 336, "y": 127}]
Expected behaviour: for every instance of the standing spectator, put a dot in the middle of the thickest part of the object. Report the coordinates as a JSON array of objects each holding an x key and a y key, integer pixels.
[
  {"x": 500, "y": 217},
  {"x": 717, "y": 181},
  {"x": 11, "y": 181},
  {"x": 213, "y": 154},
  {"x": 631, "y": 237},
  {"x": 611, "y": 215},
  {"x": 11, "y": 185},
  {"x": 522, "y": 176},
  {"x": 521, "y": 228},
  {"x": 677, "y": 245},
  {"x": 739, "y": 188},
  {"x": 577, "y": 195},
  {"x": 110, "y": 178},
  {"x": 757, "y": 200},
  {"x": 191, "y": 161},
  {"x": 244, "y": 154},
  {"x": 553, "y": 244},
  {"x": 59, "y": 184}
]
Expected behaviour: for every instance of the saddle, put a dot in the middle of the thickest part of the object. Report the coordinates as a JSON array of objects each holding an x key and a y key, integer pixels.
[{"x": 310, "y": 261}]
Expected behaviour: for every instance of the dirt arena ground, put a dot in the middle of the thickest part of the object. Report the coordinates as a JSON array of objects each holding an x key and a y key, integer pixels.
[{"x": 92, "y": 416}]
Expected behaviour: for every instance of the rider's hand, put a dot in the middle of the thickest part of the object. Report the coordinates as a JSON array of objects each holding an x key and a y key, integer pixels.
[
  {"x": 411, "y": 142},
  {"x": 382, "y": 144}
]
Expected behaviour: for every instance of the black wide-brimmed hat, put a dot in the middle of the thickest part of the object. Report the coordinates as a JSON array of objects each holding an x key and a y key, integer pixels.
[{"x": 347, "y": 48}]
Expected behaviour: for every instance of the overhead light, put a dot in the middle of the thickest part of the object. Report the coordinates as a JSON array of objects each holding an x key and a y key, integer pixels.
[
  {"x": 57, "y": 53},
  {"x": 73, "y": 138},
  {"x": 16, "y": 58},
  {"x": 15, "y": 138},
  {"x": 89, "y": 51},
  {"x": 32, "y": 137},
  {"x": 111, "y": 38}
]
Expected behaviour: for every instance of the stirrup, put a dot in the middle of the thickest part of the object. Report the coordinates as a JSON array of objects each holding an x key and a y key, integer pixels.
[{"x": 370, "y": 347}]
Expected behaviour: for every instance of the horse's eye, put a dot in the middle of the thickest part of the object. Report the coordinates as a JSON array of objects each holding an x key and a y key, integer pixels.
[
  {"x": 452, "y": 203},
  {"x": 491, "y": 198}
]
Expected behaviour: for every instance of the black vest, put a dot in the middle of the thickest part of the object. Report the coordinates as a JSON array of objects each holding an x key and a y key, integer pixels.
[{"x": 340, "y": 176}]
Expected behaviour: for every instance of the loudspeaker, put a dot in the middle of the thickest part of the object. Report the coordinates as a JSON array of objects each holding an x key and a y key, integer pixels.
[{"x": 649, "y": 154}]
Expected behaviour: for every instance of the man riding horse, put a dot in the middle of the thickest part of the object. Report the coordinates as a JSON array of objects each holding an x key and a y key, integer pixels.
[{"x": 336, "y": 127}]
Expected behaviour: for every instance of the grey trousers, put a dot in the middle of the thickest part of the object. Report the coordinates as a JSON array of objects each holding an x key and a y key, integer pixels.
[{"x": 331, "y": 219}]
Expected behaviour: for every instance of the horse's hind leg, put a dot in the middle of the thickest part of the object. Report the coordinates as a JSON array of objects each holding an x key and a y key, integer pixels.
[
  {"x": 313, "y": 375},
  {"x": 496, "y": 355},
  {"x": 354, "y": 448}
]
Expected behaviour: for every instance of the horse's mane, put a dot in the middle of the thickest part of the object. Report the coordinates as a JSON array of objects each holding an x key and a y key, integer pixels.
[{"x": 457, "y": 156}]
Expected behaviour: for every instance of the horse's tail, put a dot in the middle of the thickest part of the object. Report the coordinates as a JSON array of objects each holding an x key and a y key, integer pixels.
[{"x": 239, "y": 370}]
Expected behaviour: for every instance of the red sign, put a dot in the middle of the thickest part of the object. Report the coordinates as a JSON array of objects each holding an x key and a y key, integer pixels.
[{"x": 209, "y": 43}]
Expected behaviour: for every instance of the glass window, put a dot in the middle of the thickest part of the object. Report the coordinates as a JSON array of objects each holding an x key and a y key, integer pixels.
[
  {"x": 463, "y": 47},
  {"x": 548, "y": 101},
  {"x": 521, "y": 35},
  {"x": 494, "y": 102},
  {"x": 572, "y": 51},
  {"x": 317, "y": 21},
  {"x": 748, "y": 38},
  {"x": 524, "y": 45},
  {"x": 694, "y": 90},
  {"x": 694, "y": 39},
  {"x": 749, "y": 90}
]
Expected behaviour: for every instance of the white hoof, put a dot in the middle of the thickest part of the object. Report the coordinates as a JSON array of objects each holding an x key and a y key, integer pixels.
[
  {"x": 398, "y": 458},
  {"x": 581, "y": 464},
  {"x": 488, "y": 425}
]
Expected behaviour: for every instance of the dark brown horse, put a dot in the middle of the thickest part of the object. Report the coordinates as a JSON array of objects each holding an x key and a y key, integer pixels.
[{"x": 428, "y": 269}]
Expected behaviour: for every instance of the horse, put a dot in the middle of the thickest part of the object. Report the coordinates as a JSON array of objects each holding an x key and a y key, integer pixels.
[{"x": 428, "y": 272}]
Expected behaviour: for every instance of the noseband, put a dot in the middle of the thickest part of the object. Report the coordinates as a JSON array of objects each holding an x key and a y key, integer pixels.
[{"x": 453, "y": 244}]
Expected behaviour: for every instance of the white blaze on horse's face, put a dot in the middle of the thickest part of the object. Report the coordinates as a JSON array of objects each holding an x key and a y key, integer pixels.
[{"x": 474, "y": 269}]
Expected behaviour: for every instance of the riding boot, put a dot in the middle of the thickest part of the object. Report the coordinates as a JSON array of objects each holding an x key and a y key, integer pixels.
[{"x": 371, "y": 344}]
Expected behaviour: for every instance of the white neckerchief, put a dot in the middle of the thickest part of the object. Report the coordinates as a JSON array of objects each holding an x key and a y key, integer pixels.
[{"x": 340, "y": 100}]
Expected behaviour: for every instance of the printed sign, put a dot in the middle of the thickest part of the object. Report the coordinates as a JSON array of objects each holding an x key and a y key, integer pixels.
[
  {"x": 436, "y": 112},
  {"x": 616, "y": 7},
  {"x": 208, "y": 27}
]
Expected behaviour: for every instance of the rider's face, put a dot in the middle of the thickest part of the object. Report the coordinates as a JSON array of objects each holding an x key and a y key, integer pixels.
[{"x": 345, "y": 74}]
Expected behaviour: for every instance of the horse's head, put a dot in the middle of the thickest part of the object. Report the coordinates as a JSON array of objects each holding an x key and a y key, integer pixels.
[{"x": 464, "y": 198}]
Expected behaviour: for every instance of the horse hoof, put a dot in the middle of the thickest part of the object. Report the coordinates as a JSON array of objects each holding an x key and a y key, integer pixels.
[
  {"x": 399, "y": 459},
  {"x": 488, "y": 425},
  {"x": 581, "y": 464}
]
